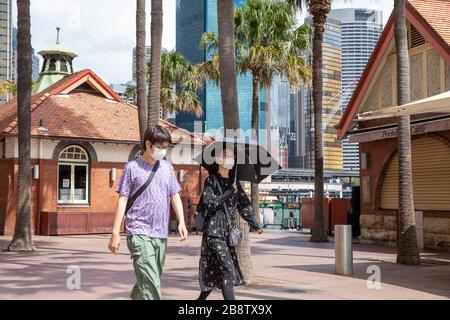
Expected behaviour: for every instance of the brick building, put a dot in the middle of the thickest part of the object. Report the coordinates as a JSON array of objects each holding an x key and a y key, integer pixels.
[
  {"x": 82, "y": 135},
  {"x": 429, "y": 52}
]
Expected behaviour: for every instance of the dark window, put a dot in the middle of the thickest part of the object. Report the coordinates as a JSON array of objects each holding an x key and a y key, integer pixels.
[
  {"x": 64, "y": 65},
  {"x": 52, "y": 65}
]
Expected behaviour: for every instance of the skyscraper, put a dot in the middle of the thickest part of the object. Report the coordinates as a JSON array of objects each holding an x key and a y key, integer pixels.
[
  {"x": 279, "y": 109},
  {"x": 360, "y": 30},
  {"x": 35, "y": 67},
  {"x": 331, "y": 105},
  {"x": 34, "y": 58},
  {"x": 297, "y": 138},
  {"x": 8, "y": 48},
  {"x": 190, "y": 24},
  {"x": 193, "y": 18},
  {"x": 7, "y": 71}
]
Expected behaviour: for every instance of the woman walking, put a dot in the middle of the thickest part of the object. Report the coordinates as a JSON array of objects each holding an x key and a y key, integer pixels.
[{"x": 222, "y": 199}]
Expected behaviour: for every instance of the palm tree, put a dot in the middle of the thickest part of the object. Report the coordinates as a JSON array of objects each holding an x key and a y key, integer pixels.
[
  {"x": 407, "y": 249},
  {"x": 227, "y": 64},
  {"x": 319, "y": 10},
  {"x": 155, "y": 62},
  {"x": 22, "y": 239},
  {"x": 180, "y": 83},
  {"x": 269, "y": 45},
  {"x": 229, "y": 97},
  {"x": 140, "y": 91},
  {"x": 8, "y": 88}
]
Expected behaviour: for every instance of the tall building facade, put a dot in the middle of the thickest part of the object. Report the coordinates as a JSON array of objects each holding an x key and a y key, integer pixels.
[
  {"x": 7, "y": 70},
  {"x": 190, "y": 24},
  {"x": 360, "y": 29},
  {"x": 8, "y": 48},
  {"x": 331, "y": 104},
  {"x": 279, "y": 135},
  {"x": 34, "y": 59},
  {"x": 193, "y": 18},
  {"x": 297, "y": 137},
  {"x": 35, "y": 67}
]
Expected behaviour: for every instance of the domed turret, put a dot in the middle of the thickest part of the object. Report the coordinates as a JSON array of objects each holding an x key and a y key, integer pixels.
[{"x": 57, "y": 64}]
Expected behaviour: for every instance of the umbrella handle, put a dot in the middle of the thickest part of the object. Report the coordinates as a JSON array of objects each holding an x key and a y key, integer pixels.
[{"x": 235, "y": 171}]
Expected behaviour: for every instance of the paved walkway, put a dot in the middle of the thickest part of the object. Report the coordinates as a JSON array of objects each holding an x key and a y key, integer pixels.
[{"x": 286, "y": 265}]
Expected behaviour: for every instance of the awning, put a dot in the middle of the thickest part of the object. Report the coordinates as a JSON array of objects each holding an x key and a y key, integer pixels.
[{"x": 436, "y": 104}]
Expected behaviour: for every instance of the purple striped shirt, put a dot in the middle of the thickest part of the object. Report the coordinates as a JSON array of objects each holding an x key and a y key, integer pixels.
[{"x": 150, "y": 213}]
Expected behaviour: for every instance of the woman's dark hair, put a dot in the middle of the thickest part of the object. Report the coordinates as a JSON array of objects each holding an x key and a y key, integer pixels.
[{"x": 156, "y": 134}]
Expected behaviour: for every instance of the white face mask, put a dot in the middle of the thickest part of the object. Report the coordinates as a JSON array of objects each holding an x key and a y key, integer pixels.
[
  {"x": 227, "y": 163},
  {"x": 159, "y": 154}
]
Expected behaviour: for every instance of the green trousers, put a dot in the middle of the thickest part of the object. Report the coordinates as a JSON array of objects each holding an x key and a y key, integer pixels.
[{"x": 148, "y": 256}]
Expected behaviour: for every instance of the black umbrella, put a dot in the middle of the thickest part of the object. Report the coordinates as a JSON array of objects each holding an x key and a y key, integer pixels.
[{"x": 253, "y": 162}]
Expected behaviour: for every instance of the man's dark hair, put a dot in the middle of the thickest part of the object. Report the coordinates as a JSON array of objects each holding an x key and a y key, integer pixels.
[{"x": 156, "y": 134}]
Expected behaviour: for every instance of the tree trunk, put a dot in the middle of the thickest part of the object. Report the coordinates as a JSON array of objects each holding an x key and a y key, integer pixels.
[
  {"x": 154, "y": 100},
  {"x": 230, "y": 111},
  {"x": 244, "y": 251},
  {"x": 255, "y": 133},
  {"x": 140, "y": 68},
  {"x": 407, "y": 249},
  {"x": 227, "y": 64},
  {"x": 22, "y": 239},
  {"x": 318, "y": 233}
]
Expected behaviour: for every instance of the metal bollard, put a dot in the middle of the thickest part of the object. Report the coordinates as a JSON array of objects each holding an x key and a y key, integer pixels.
[{"x": 343, "y": 249}]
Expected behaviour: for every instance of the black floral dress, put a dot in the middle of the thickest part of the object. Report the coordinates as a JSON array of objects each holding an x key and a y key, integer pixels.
[{"x": 219, "y": 266}]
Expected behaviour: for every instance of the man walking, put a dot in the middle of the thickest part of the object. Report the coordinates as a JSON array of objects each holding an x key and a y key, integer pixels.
[{"x": 147, "y": 187}]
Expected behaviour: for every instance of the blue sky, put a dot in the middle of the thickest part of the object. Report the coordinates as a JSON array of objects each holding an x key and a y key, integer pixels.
[{"x": 102, "y": 32}]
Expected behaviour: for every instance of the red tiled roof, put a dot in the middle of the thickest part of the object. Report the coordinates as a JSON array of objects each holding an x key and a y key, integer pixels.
[
  {"x": 431, "y": 18},
  {"x": 437, "y": 14},
  {"x": 69, "y": 113},
  {"x": 8, "y": 110}
]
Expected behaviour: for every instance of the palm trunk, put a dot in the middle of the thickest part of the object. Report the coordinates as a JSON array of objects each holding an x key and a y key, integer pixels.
[
  {"x": 407, "y": 249},
  {"x": 227, "y": 64},
  {"x": 155, "y": 62},
  {"x": 140, "y": 68},
  {"x": 230, "y": 111},
  {"x": 318, "y": 232},
  {"x": 22, "y": 239},
  {"x": 255, "y": 133}
]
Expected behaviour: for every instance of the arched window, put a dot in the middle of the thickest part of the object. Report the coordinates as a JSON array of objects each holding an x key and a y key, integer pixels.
[
  {"x": 64, "y": 65},
  {"x": 73, "y": 176},
  {"x": 52, "y": 65}
]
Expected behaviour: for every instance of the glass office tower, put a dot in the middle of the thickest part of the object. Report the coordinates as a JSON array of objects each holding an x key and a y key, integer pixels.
[{"x": 193, "y": 18}]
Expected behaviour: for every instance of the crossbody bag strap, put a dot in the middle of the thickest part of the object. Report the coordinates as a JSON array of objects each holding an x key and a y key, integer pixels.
[
  {"x": 134, "y": 197},
  {"x": 216, "y": 182}
]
